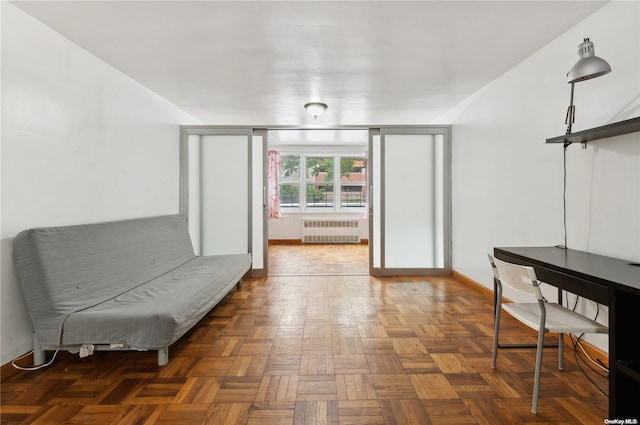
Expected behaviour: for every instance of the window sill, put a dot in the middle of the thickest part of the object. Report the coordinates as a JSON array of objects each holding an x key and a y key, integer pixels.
[{"x": 294, "y": 211}]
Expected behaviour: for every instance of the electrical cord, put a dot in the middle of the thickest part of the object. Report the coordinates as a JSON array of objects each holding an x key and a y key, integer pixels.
[
  {"x": 32, "y": 368},
  {"x": 564, "y": 194},
  {"x": 588, "y": 361},
  {"x": 577, "y": 356},
  {"x": 593, "y": 361},
  {"x": 576, "y": 343}
]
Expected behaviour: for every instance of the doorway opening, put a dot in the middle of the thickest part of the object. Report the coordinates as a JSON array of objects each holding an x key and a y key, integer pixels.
[{"x": 321, "y": 225}]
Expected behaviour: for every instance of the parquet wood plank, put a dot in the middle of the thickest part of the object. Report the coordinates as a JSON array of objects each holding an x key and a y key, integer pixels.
[
  {"x": 505, "y": 385},
  {"x": 387, "y": 363},
  {"x": 404, "y": 412},
  {"x": 200, "y": 390},
  {"x": 317, "y": 388},
  {"x": 394, "y": 386},
  {"x": 582, "y": 412},
  {"x": 238, "y": 390},
  {"x": 278, "y": 389},
  {"x": 96, "y": 415},
  {"x": 452, "y": 363},
  {"x": 10, "y": 415},
  {"x": 60, "y": 414},
  {"x": 317, "y": 364},
  {"x": 212, "y": 366},
  {"x": 418, "y": 363},
  {"x": 271, "y": 414},
  {"x": 491, "y": 411},
  {"x": 123, "y": 390},
  {"x": 227, "y": 413},
  {"x": 283, "y": 365},
  {"x": 409, "y": 344},
  {"x": 355, "y": 387},
  {"x": 433, "y": 386},
  {"x": 346, "y": 345},
  {"x": 138, "y": 415},
  {"x": 317, "y": 346}
]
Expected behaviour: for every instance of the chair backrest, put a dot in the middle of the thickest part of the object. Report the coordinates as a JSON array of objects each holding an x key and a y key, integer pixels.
[{"x": 520, "y": 278}]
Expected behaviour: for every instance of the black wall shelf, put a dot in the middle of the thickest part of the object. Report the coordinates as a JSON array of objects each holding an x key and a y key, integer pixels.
[{"x": 610, "y": 130}]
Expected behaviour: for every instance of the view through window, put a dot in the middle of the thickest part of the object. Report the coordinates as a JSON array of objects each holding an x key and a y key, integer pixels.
[{"x": 334, "y": 182}]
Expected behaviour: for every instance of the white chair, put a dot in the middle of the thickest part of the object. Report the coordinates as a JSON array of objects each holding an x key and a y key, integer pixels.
[{"x": 541, "y": 315}]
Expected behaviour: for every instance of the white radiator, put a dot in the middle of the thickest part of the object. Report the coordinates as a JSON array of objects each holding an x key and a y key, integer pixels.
[{"x": 330, "y": 231}]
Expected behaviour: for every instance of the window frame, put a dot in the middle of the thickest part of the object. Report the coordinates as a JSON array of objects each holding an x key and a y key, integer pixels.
[
  {"x": 336, "y": 182},
  {"x": 297, "y": 183}
]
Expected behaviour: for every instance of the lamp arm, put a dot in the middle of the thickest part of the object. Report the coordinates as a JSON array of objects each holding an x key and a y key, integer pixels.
[{"x": 571, "y": 113}]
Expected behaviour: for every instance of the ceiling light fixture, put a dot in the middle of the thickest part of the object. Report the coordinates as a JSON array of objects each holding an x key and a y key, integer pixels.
[
  {"x": 315, "y": 108},
  {"x": 588, "y": 66}
]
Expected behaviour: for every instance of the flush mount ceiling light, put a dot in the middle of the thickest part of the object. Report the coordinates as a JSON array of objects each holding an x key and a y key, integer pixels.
[
  {"x": 315, "y": 108},
  {"x": 588, "y": 66}
]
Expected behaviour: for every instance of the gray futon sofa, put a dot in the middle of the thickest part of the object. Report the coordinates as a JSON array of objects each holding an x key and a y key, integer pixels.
[{"x": 132, "y": 284}]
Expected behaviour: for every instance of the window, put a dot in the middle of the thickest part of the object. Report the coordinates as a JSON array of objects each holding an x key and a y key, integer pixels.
[
  {"x": 322, "y": 187},
  {"x": 320, "y": 182},
  {"x": 289, "y": 181},
  {"x": 353, "y": 181}
]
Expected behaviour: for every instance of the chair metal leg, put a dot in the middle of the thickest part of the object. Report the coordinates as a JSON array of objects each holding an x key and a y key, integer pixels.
[
  {"x": 536, "y": 381},
  {"x": 561, "y": 351},
  {"x": 496, "y": 330}
]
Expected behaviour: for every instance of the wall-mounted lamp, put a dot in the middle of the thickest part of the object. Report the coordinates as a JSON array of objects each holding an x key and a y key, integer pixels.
[
  {"x": 588, "y": 66},
  {"x": 315, "y": 109}
]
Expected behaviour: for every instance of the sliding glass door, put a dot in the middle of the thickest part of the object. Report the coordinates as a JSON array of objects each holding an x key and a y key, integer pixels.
[
  {"x": 221, "y": 191},
  {"x": 410, "y": 209}
]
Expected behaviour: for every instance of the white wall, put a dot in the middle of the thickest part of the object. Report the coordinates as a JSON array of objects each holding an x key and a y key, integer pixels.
[
  {"x": 507, "y": 183},
  {"x": 81, "y": 142}
]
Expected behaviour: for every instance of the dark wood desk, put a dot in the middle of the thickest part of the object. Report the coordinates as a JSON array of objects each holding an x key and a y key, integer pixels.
[{"x": 609, "y": 281}]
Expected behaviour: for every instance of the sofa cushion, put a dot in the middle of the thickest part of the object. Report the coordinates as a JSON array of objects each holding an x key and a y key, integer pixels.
[{"x": 157, "y": 313}]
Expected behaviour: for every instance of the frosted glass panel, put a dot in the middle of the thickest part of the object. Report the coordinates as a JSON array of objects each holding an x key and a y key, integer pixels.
[
  {"x": 224, "y": 196},
  {"x": 257, "y": 224},
  {"x": 413, "y": 204},
  {"x": 375, "y": 162},
  {"x": 194, "y": 191}
]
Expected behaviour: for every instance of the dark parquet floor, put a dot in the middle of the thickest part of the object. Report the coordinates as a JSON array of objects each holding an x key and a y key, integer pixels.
[{"x": 318, "y": 349}]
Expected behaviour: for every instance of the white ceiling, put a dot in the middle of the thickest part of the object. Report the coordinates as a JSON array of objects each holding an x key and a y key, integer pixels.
[{"x": 258, "y": 63}]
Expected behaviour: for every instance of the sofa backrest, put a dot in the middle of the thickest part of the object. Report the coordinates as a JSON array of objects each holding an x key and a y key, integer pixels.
[{"x": 67, "y": 269}]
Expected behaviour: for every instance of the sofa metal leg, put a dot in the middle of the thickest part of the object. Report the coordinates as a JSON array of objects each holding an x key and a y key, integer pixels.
[
  {"x": 39, "y": 356},
  {"x": 163, "y": 356}
]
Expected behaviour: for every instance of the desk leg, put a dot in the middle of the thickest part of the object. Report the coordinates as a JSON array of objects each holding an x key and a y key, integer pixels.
[
  {"x": 495, "y": 302},
  {"x": 560, "y": 296}
]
